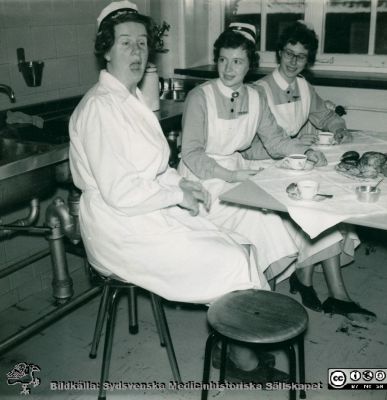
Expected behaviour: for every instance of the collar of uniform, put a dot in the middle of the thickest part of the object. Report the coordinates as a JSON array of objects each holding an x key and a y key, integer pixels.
[
  {"x": 281, "y": 82},
  {"x": 112, "y": 83},
  {"x": 226, "y": 91}
]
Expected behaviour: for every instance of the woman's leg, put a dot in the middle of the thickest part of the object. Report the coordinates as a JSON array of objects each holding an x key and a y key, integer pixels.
[
  {"x": 339, "y": 301},
  {"x": 305, "y": 275},
  {"x": 302, "y": 281},
  {"x": 334, "y": 279}
]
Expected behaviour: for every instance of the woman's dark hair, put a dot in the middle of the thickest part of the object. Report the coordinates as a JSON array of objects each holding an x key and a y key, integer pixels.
[
  {"x": 106, "y": 36},
  {"x": 299, "y": 33},
  {"x": 231, "y": 39}
]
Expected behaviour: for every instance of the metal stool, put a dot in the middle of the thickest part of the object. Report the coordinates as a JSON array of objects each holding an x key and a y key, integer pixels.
[
  {"x": 258, "y": 317},
  {"x": 112, "y": 290}
]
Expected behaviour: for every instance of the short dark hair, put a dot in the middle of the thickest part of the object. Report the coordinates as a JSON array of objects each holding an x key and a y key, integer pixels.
[
  {"x": 299, "y": 33},
  {"x": 106, "y": 34},
  {"x": 231, "y": 39}
]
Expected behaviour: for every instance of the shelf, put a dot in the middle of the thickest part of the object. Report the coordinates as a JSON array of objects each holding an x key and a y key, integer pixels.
[{"x": 361, "y": 80}]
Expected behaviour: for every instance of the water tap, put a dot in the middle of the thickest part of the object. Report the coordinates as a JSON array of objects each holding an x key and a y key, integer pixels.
[{"x": 8, "y": 90}]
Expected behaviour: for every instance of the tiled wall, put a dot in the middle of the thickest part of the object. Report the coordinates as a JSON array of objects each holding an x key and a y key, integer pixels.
[{"x": 59, "y": 32}]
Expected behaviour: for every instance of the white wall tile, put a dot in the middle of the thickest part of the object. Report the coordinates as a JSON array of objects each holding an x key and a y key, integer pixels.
[
  {"x": 16, "y": 13},
  {"x": 42, "y": 12},
  {"x": 67, "y": 72},
  {"x": 66, "y": 40},
  {"x": 86, "y": 38},
  {"x": 3, "y": 46},
  {"x": 64, "y": 12},
  {"x": 18, "y": 37},
  {"x": 88, "y": 69},
  {"x": 43, "y": 42}
]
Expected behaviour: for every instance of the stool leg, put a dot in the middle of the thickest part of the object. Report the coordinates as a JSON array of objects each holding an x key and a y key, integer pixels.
[
  {"x": 157, "y": 318},
  {"x": 301, "y": 360},
  {"x": 132, "y": 304},
  {"x": 107, "y": 351},
  {"x": 167, "y": 337},
  {"x": 292, "y": 370},
  {"x": 207, "y": 363},
  {"x": 223, "y": 353},
  {"x": 100, "y": 320}
]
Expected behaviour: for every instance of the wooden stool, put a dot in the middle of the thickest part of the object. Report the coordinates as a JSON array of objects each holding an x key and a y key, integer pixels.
[
  {"x": 257, "y": 317},
  {"x": 112, "y": 290}
]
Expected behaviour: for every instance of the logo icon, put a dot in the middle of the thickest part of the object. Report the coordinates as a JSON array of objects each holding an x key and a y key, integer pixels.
[
  {"x": 24, "y": 374},
  {"x": 380, "y": 375},
  {"x": 355, "y": 375},
  {"x": 368, "y": 375},
  {"x": 337, "y": 378}
]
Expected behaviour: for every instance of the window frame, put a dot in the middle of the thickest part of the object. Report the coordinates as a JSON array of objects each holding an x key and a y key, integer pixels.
[{"x": 315, "y": 16}]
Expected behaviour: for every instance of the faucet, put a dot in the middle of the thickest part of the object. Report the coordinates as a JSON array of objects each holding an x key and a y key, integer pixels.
[{"x": 8, "y": 90}]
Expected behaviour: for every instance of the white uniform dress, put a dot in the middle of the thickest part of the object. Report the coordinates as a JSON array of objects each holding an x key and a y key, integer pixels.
[
  {"x": 130, "y": 225},
  {"x": 292, "y": 116},
  {"x": 225, "y": 137}
]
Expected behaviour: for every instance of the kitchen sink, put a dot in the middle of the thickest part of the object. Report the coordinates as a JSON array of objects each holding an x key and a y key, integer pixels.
[
  {"x": 12, "y": 149},
  {"x": 29, "y": 157}
]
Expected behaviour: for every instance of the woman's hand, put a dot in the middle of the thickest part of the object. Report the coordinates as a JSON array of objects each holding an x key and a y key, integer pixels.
[
  {"x": 317, "y": 157},
  {"x": 342, "y": 136},
  {"x": 309, "y": 138},
  {"x": 194, "y": 193},
  {"x": 241, "y": 175}
]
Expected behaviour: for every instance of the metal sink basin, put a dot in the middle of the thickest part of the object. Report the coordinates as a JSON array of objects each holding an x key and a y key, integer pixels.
[
  {"x": 28, "y": 160},
  {"x": 12, "y": 150}
]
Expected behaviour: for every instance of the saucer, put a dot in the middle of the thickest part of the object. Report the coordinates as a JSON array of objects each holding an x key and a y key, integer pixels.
[
  {"x": 308, "y": 167},
  {"x": 294, "y": 196}
]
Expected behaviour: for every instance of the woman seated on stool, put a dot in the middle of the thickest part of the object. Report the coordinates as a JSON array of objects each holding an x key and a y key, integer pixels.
[
  {"x": 293, "y": 101},
  {"x": 220, "y": 120},
  {"x": 139, "y": 218}
]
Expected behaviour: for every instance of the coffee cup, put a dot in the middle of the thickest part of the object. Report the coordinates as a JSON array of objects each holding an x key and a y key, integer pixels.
[
  {"x": 308, "y": 189},
  {"x": 325, "y": 138},
  {"x": 295, "y": 161}
]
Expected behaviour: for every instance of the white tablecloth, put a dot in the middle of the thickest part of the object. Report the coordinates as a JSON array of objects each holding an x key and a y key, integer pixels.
[{"x": 316, "y": 216}]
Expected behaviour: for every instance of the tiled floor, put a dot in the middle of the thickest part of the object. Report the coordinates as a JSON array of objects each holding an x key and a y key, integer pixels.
[{"x": 61, "y": 350}]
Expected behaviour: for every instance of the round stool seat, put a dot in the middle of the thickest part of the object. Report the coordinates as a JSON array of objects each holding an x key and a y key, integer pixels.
[{"x": 257, "y": 316}]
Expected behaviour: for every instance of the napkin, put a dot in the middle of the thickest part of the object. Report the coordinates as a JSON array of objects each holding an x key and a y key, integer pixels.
[{"x": 315, "y": 217}]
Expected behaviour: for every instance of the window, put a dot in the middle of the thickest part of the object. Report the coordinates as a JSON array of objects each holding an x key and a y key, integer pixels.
[{"x": 353, "y": 33}]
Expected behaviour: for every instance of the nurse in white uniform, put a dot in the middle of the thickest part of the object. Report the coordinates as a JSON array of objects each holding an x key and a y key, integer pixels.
[
  {"x": 220, "y": 121},
  {"x": 293, "y": 101},
  {"x": 139, "y": 218}
]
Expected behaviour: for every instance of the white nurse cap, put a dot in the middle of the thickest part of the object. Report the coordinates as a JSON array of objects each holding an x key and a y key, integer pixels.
[
  {"x": 247, "y": 30},
  {"x": 116, "y": 7}
]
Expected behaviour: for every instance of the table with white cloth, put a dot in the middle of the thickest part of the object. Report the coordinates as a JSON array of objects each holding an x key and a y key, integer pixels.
[{"x": 267, "y": 189}]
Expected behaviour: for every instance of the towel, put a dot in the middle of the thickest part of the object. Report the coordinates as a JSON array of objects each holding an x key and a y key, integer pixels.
[{"x": 17, "y": 117}]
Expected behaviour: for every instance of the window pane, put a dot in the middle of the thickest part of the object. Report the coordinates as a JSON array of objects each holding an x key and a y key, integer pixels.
[
  {"x": 280, "y": 14},
  {"x": 248, "y": 11},
  {"x": 381, "y": 28},
  {"x": 347, "y": 26}
]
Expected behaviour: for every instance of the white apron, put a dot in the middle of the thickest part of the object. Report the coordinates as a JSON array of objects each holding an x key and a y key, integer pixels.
[
  {"x": 265, "y": 231},
  {"x": 290, "y": 116},
  {"x": 167, "y": 251},
  {"x": 343, "y": 241}
]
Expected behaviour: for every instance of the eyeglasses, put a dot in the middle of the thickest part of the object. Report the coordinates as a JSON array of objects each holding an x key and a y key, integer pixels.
[{"x": 300, "y": 58}]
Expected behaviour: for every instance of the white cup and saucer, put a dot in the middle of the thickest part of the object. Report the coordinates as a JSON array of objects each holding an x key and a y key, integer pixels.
[
  {"x": 326, "y": 138},
  {"x": 295, "y": 163},
  {"x": 308, "y": 189}
]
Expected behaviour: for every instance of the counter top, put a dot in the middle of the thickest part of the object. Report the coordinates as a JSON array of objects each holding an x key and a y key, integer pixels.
[
  {"x": 365, "y": 80},
  {"x": 169, "y": 115}
]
